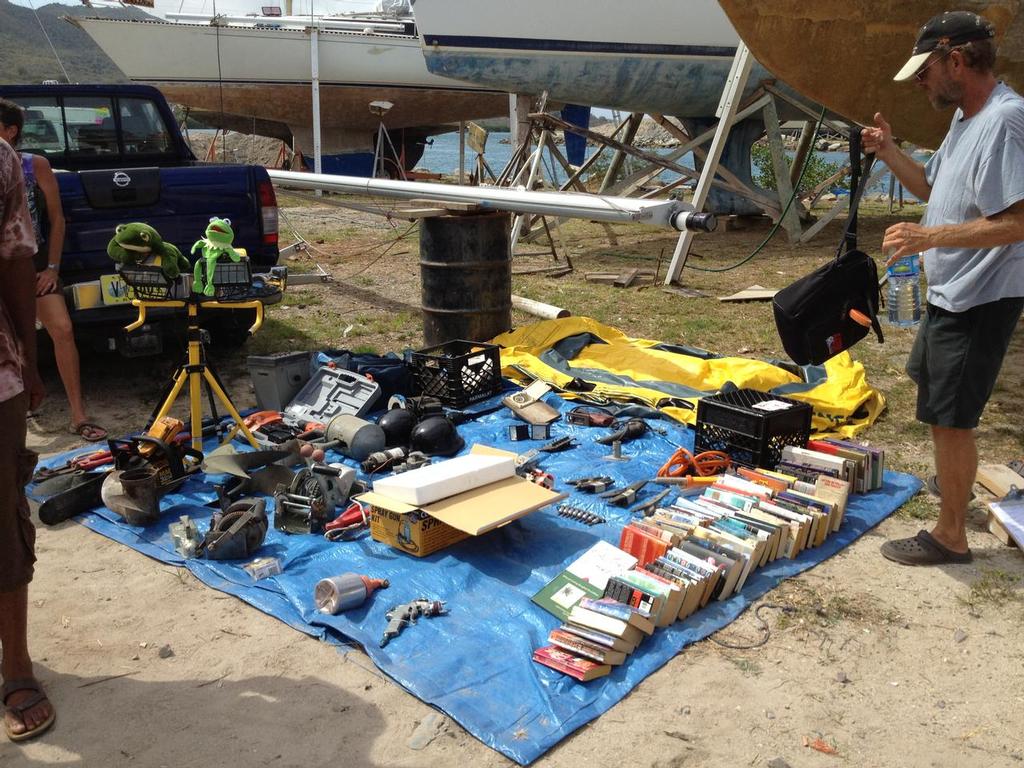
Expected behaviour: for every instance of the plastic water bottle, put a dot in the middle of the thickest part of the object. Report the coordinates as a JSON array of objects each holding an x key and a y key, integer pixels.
[{"x": 904, "y": 297}]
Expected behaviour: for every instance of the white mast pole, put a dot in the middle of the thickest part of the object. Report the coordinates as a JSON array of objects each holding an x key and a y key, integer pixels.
[{"x": 314, "y": 52}]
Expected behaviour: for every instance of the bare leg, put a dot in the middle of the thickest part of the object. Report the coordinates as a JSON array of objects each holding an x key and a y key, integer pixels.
[
  {"x": 16, "y": 661},
  {"x": 53, "y": 314},
  {"x": 956, "y": 464}
]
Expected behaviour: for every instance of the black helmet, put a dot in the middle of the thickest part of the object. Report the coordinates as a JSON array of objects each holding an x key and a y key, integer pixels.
[
  {"x": 436, "y": 436},
  {"x": 397, "y": 425}
]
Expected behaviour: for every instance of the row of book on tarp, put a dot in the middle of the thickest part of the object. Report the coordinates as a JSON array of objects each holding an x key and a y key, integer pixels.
[{"x": 701, "y": 547}]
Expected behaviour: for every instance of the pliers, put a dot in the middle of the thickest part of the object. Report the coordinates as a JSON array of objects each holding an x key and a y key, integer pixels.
[
  {"x": 596, "y": 484},
  {"x": 647, "y": 507},
  {"x": 623, "y": 497}
]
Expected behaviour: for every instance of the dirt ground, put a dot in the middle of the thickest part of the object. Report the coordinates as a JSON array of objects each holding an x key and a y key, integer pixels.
[{"x": 885, "y": 665}]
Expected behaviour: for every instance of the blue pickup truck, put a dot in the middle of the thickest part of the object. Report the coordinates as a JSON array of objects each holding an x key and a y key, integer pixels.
[{"x": 119, "y": 157}]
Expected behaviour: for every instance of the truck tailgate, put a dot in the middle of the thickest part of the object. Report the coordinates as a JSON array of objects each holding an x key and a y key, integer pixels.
[{"x": 177, "y": 202}]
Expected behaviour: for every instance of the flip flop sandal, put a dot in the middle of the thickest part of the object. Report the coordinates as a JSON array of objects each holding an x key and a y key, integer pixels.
[
  {"x": 922, "y": 549},
  {"x": 932, "y": 484},
  {"x": 19, "y": 710},
  {"x": 93, "y": 433}
]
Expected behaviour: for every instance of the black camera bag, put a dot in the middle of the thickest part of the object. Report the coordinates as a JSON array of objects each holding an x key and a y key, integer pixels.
[{"x": 833, "y": 307}]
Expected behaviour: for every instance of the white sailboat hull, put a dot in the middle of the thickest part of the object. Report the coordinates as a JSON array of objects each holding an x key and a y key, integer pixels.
[
  {"x": 664, "y": 56},
  {"x": 265, "y": 73}
]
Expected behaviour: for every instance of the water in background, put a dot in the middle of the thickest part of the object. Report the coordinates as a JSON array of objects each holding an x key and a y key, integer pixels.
[{"x": 442, "y": 156}]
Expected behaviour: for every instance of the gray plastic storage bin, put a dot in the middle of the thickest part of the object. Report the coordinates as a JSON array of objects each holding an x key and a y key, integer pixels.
[
  {"x": 331, "y": 392},
  {"x": 278, "y": 378}
]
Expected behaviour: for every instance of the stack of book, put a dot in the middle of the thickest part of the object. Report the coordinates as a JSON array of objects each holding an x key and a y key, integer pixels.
[
  {"x": 598, "y": 635},
  {"x": 702, "y": 547}
]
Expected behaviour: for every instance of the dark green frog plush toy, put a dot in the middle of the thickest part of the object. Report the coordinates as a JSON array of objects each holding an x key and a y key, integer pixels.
[
  {"x": 137, "y": 243},
  {"x": 215, "y": 247}
]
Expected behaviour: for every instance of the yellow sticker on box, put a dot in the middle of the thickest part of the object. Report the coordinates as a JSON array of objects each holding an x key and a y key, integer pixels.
[{"x": 115, "y": 290}]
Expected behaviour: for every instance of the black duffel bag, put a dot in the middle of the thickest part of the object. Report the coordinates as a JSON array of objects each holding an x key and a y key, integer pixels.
[
  {"x": 836, "y": 305},
  {"x": 829, "y": 310}
]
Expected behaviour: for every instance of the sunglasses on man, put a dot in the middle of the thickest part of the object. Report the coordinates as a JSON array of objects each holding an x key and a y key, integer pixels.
[{"x": 921, "y": 73}]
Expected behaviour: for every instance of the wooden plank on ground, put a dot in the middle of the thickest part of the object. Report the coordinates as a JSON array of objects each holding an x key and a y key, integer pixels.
[
  {"x": 686, "y": 293},
  {"x": 753, "y": 293},
  {"x": 997, "y": 529},
  {"x": 555, "y": 271},
  {"x": 626, "y": 278},
  {"x": 997, "y": 479}
]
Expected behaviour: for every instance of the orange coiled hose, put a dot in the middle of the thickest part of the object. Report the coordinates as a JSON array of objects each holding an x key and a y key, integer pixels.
[{"x": 682, "y": 463}]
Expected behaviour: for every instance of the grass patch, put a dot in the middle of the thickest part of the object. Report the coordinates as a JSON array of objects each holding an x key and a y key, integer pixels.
[
  {"x": 822, "y": 605},
  {"x": 302, "y": 300},
  {"x": 920, "y": 507},
  {"x": 746, "y": 666},
  {"x": 995, "y": 587}
]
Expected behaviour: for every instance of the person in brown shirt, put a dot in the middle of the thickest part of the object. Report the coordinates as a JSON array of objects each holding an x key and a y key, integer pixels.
[{"x": 28, "y": 712}]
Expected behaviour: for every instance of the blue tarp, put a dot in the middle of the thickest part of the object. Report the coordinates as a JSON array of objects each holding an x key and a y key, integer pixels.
[{"x": 475, "y": 662}]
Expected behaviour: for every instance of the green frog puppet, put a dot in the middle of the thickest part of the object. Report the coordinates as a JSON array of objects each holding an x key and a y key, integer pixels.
[
  {"x": 137, "y": 243},
  {"x": 215, "y": 246}
]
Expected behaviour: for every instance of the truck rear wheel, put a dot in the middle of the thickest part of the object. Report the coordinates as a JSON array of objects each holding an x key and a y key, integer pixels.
[{"x": 230, "y": 330}]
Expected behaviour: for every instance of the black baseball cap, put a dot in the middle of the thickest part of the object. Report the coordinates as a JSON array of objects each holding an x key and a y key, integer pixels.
[{"x": 949, "y": 29}]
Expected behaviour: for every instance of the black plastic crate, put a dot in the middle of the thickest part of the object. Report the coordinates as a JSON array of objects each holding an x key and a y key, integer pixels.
[
  {"x": 751, "y": 426},
  {"x": 458, "y": 372},
  {"x": 147, "y": 282},
  {"x": 232, "y": 280}
]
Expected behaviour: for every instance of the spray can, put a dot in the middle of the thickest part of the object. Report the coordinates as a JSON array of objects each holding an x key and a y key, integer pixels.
[{"x": 349, "y": 590}]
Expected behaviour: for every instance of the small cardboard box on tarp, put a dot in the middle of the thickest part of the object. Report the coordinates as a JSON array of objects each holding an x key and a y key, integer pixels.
[{"x": 425, "y": 529}]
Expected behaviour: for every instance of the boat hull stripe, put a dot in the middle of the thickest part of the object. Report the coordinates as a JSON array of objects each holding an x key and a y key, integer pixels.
[{"x": 575, "y": 46}]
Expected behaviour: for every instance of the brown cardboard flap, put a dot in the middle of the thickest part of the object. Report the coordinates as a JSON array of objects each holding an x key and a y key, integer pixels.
[
  {"x": 490, "y": 450},
  {"x": 385, "y": 502},
  {"x": 479, "y": 510},
  {"x": 491, "y": 506}
]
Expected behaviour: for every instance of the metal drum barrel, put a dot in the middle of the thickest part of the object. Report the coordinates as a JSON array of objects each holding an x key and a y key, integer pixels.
[{"x": 466, "y": 274}]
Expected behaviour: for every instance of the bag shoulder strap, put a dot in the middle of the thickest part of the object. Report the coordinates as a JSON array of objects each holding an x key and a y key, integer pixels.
[{"x": 865, "y": 175}]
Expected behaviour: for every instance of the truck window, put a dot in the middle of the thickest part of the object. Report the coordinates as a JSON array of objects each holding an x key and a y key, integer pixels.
[
  {"x": 43, "y": 131},
  {"x": 90, "y": 125},
  {"x": 143, "y": 128}
]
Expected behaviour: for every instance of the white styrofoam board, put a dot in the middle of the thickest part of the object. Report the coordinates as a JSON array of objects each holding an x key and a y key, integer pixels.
[{"x": 446, "y": 478}]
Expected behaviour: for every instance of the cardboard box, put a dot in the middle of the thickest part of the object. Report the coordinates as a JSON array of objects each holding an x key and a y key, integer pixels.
[
  {"x": 87, "y": 295},
  {"x": 115, "y": 290},
  {"x": 425, "y": 529}
]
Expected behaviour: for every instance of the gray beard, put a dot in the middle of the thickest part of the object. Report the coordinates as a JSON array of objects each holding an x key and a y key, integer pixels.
[{"x": 949, "y": 95}]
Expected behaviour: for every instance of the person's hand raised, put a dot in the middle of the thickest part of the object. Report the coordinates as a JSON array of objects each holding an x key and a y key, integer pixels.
[{"x": 878, "y": 140}]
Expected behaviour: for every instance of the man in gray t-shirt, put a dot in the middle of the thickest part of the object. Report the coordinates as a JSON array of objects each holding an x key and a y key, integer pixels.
[{"x": 972, "y": 239}]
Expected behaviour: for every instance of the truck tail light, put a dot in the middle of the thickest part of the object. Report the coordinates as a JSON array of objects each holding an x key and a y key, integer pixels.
[{"x": 268, "y": 211}]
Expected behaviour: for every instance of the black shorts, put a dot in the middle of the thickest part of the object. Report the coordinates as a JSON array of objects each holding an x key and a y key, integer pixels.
[{"x": 956, "y": 358}]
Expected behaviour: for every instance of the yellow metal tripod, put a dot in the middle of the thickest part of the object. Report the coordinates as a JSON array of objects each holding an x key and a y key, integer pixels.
[{"x": 195, "y": 370}]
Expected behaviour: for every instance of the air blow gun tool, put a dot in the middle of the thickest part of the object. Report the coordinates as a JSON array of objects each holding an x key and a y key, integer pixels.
[{"x": 405, "y": 614}]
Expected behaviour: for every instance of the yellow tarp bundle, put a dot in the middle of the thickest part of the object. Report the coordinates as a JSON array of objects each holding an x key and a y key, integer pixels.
[{"x": 655, "y": 374}]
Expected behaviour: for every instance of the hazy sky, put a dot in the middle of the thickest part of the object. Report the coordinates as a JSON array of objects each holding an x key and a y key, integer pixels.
[{"x": 235, "y": 7}]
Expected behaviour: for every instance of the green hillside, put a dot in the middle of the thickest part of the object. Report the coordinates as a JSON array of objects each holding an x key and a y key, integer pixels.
[{"x": 27, "y": 57}]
